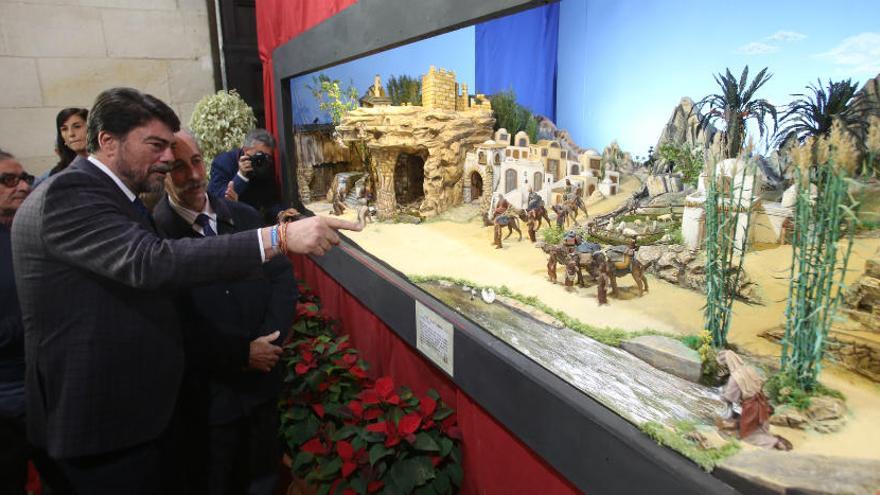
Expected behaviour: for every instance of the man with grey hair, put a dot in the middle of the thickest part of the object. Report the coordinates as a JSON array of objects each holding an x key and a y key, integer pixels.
[{"x": 247, "y": 174}]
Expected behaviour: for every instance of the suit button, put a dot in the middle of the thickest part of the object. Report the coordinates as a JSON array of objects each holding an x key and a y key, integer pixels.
[{"x": 227, "y": 293}]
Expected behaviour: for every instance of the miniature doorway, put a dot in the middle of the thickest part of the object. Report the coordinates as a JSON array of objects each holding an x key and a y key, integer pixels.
[
  {"x": 409, "y": 179},
  {"x": 509, "y": 180},
  {"x": 476, "y": 186}
]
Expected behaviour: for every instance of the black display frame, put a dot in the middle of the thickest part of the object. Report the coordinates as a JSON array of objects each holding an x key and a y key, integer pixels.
[{"x": 590, "y": 445}]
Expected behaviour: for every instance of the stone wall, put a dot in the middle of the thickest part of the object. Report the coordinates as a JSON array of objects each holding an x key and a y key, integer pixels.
[
  {"x": 439, "y": 89},
  {"x": 64, "y": 54}
]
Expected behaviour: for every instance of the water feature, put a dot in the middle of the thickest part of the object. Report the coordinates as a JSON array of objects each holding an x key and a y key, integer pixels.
[{"x": 622, "y": 382}]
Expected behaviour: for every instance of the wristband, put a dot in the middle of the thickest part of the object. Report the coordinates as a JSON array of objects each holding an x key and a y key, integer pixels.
[{"x": 275, "y": 241}]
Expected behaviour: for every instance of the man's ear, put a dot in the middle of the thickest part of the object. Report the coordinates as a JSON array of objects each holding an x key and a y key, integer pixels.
[{"x": 107, "y": 142}]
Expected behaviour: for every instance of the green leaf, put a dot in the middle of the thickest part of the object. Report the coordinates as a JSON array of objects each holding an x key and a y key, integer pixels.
[
  {"x": 455, "y": 455},
  {"x": 358, "y": 484},
  {"x": 455, "y": 474},
  {"x": 377, "y": 452},
  {"x": 329, "y": 469},
  {"x": 441, "y": 482},
  {"x": 404, "y": 474},
  {"x": 425, "y": 442},
  {"x": 345, "y": 432},
  {"x": 425, "y": 490},
  {"x": 445, "y": 446},
  {"x": 442, "y": 413},
  {"x": 423, "y": 470},
  {"x": 323, "y": 489},
  {"x": 300, "y": 432},
  {"x": 301, "y": 459}
]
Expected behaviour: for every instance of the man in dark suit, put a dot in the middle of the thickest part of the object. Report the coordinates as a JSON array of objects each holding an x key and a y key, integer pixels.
[
  {"x": 247, "y": 174},
  {"x": 15, "y": 184},
  {"x": 103, "y": 349},
  {"x": 232, "y": 423}
]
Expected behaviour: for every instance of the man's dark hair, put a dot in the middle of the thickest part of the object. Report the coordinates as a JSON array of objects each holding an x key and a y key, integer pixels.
[
  {"x": 259, "y": 135},
  {"x": 119, "y": 110}
]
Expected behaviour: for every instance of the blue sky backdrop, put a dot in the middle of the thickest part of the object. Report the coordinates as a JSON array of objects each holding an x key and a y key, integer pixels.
[{"x": 623, "y": 65}]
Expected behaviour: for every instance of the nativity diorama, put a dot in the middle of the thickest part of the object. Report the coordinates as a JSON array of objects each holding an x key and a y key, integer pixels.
[{"x": 725, "y": 299}]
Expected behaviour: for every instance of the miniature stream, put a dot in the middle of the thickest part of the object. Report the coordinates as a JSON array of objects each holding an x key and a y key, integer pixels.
[{"x": 622, "y": 382}]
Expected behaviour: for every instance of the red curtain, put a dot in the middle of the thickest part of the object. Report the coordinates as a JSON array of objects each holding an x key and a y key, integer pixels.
[
  {"x": 278, "y": 21},
  {"x": 495, "y": 461}
]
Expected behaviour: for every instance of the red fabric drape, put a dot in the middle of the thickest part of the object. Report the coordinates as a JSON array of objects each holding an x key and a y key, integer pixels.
[
  {"x": 495, "y": 461},
  {"x": 278, "y": 21}
]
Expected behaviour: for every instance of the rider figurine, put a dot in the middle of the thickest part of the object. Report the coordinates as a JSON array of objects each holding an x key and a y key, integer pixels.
[{"x": 500, "y": 219}]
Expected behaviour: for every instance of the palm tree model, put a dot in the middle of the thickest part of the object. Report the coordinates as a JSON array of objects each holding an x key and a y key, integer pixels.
[
  {"x": 734, "y": 105},
  {"x": 813, "y": 114}
]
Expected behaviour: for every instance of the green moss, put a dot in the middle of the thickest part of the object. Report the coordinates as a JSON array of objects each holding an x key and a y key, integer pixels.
[
  {"x": 675, "y": 440},
  {"x": 607, "y": 335},
  {"x": 692, "y": 341},
  {"x": 782, "y": 388}
]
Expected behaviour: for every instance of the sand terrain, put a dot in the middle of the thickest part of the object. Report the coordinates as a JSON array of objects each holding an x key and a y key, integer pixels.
[{"x": 457, "y": 245}]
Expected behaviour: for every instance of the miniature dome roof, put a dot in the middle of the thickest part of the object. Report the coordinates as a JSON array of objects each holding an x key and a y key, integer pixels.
[
  {"x": 591, "y": 152},
  {"x": 488, "y": 141}
]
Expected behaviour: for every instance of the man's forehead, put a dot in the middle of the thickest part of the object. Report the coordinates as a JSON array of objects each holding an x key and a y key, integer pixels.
[
  {"x": 10, "y": 165},
  {"x": 184, "y": 145}
]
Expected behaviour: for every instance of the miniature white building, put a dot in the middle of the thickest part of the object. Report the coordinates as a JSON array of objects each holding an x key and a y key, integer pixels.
[
  {"x": 610, "y": 185},
  {"x": 769, "y": 221}
]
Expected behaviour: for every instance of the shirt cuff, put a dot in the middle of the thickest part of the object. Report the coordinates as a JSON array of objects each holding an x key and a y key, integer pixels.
[
  {"x": 262, "y": 251},
  {"x": 242, "y": 177}
]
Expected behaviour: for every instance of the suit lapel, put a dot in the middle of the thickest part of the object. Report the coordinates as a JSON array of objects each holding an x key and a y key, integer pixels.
[
  {"x": 170, "y": 223},
  {"x": 225, "y": 222}
]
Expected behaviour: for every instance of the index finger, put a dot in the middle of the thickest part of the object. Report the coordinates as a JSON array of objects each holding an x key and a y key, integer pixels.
[{"x": 340, "y": 224}]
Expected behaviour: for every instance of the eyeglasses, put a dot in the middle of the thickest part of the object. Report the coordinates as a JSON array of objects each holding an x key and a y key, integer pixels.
[{"x": 12, "y": 180}]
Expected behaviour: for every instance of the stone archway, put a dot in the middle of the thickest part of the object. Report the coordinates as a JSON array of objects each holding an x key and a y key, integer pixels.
[
  {"x": 538, "y": 181},
  {"x": 476, "y": 186}
]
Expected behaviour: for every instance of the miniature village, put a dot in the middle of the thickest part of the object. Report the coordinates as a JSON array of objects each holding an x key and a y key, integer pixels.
[{"x": 646, "y": 282}]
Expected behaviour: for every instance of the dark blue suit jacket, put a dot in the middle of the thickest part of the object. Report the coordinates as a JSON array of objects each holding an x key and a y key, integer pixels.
[
  {"x": 259, "y": 192},
  {"x": 221, "y": 319},
  {"x": 103, "y": 347}
]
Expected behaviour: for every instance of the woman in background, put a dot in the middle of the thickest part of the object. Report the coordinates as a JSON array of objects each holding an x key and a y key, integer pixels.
[{"x": 71, "y": 140}]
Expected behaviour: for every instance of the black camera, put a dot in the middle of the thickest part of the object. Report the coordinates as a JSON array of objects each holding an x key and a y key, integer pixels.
[{"x": 261, "y": 163}]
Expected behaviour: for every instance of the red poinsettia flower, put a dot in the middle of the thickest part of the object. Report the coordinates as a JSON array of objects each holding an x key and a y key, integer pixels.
[
  {"x": 409, "y": 424},
  {"x": 319, "y": 410},
  {"x": 380, "y": 427},
  {"x": 385, "y": 389},
  {"x": 314, "y": 446},
  {"x": 427, "y": 406},
  {"x": 436, "y": 459},
  {"x": 308, "y": 309},
  {"x": 350, "y": 358},
  {"x": 358, "y": 372},
  {"x": 346, "y": 453},
  {"x": 373, "y": 413},
  {"x": 303, "y": 368},
  {"x": 356, "y": 408},
  {"x": 375, "y": 486}
]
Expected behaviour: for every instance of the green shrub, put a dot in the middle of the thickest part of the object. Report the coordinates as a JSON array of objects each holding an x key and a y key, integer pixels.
[
  {"x": 783, "y": 388},
  {"x": 552, "y": 234},
  {"x": 220, "y": 122}
]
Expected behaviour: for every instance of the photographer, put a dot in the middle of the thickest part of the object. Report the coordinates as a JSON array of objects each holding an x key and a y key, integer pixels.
[{"x": 248, "y": 175}]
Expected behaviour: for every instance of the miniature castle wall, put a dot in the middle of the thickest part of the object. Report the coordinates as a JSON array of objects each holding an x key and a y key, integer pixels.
[{"x": 439, "y": 89}]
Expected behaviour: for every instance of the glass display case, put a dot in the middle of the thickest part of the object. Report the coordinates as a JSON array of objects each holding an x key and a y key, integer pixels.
[{"x": 664, "y": 212}]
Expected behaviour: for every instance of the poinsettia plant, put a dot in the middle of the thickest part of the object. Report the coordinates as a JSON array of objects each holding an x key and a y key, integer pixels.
[{"x": 349, "y": 434}]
